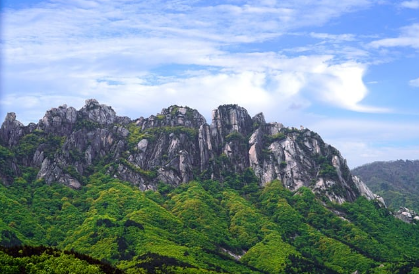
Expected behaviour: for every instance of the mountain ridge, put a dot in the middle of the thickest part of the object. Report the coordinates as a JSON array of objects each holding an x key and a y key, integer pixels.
[
  {"x": 396, "y": 181},
  {"x": 175, "y": 146}
]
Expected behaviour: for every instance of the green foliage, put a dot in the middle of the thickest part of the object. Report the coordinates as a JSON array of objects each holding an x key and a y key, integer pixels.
[
  {"x": 28, "y": 145},
  {"x": 8, "y": 238},
  {"x": 41, "y": 259},
  {"x": 86, "y": 124},
  {"x": 270, "y": 254},
  {"x": 246, "y": 183},
  {"x": 53, "y": 143},
  {"x": 6, "y": 158},
  {"x": 328, "y": 171},
  {"x": 283, "y": 164},
  {"x": 48, "y": 143},
  {"x": 235, "y": 136},
  {"x": 149, "y": 174},
  {"x": 275, "y": 137},
  {"x": 273, "y": 201},
  {"x": 76, "y": 155},
  {"x": 199, "y": 211},
  {"x": 175, "y": 110},
  {"x": 71, "y": 170},
  {"x": 136, "y": 134},
  {"x": 325, "y": 168},
  {"x": 191, "y": 228},
  {"x": 160, "y": 117},
  {"x": 245, "y": 222}
]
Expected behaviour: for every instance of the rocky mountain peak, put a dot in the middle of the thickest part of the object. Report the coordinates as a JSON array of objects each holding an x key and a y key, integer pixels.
[
  {"x": 259, "y": 119},
  {"x": 99, "y": 113},
  {"x": 175, "y": 146},
  {"x": 229, "y": 118},
  {"x": 11, "y": 129},
  {"x": 59, "y": 120},
  {"x": 173, "y": 116}
]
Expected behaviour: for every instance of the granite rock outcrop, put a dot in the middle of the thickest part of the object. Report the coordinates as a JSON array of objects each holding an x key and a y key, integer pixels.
[{"x": 175, "y": 146}]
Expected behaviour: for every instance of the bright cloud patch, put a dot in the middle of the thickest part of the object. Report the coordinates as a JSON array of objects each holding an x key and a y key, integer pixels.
[
  {"x": 410, "y": 4},
  {"x": 414, "y": 83},
  {"x": 171, "y": 51}
]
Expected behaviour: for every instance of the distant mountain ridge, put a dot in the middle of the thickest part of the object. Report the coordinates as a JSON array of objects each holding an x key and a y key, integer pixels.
[
  {"x": 173, "y": 147},
  {"x": 396, "y": 181}
]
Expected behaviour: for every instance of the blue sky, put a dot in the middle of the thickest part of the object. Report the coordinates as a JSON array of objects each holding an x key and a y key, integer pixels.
[{"x": 347, "y": 69}]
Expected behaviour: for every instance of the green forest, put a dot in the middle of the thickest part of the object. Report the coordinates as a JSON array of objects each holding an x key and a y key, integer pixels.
[
  {"x": 204, "y": 226},
  {"x": 396, "y": 181}
]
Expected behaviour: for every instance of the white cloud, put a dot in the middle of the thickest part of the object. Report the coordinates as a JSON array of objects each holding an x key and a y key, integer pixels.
[
  {"x": 342, "y": 85},
  {"x": 291, "y": 83},
  {"x": 334, "y": 37},
  {"x": 163, "y": 52},
  {"x": 410, "y": 4},
  {"x": 414, "y": 83},
  {"x": 409, "y": 37},
  {"x": 247, "y": 22}
]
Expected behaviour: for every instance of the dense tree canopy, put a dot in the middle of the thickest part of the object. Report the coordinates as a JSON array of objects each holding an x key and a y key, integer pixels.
[{"x": 199, "y": 227}]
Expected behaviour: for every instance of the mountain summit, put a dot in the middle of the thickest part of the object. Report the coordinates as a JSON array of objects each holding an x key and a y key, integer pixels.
[{"x": 175, "y": 146}]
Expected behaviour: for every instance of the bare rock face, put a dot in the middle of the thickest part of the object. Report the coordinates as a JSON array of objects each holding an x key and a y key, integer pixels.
[
  {"x": 11, "y": 130},
  {"x": 299, "y": 157},
  {"x": 176, "y": 146},
  {"x": 52, "y": 172},
  {"x": 229, "y": 119},
  {"x": 366, "y": 192},
  {"x": 59, "y": 120},
  {"x": 173, "y": 116},
  {"x": 407, "y": 215},
  {"x": 95, "y": 112}
]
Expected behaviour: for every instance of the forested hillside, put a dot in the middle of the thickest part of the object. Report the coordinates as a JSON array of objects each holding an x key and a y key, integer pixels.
[
  {"x": 204, "y": 227},
  {"x": 396, "y": 181}
]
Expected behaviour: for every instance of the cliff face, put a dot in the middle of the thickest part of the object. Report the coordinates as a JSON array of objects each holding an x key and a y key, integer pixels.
[{"x": 173, "y": 147}]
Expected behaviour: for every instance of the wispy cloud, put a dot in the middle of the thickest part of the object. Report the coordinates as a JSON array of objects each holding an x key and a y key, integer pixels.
[
  {"x": 410, "y": 4},
  {"x": 334, "y": 37},
  {"x": 124, "y": 51},
  {"x": 258, "y": 81},
  {"x": 409, "y": 37}
]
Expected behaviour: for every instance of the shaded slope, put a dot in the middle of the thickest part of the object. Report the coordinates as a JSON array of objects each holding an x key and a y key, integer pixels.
[{"x": 396, "y": 181}]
